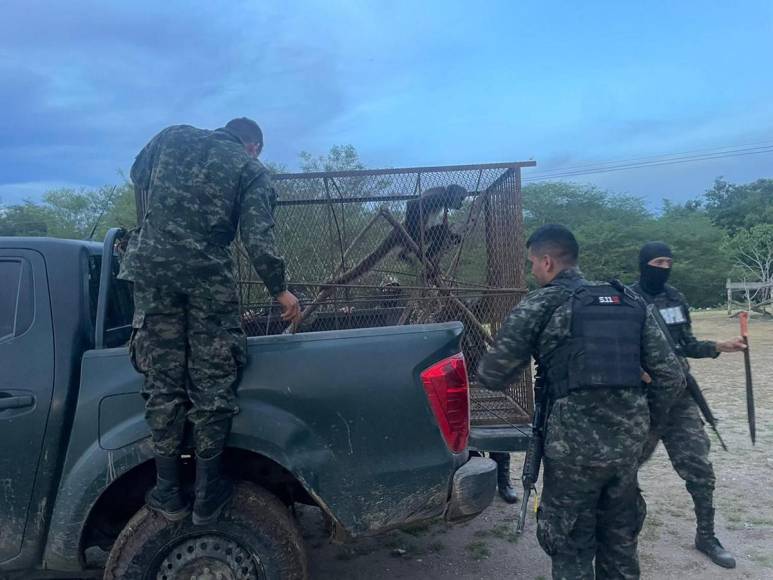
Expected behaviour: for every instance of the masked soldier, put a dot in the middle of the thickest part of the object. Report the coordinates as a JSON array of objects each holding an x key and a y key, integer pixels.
[
  {"x": 591, "y": 341},
  {"x": 683, "y": 435},
  {"x": 187, "y": 339}
]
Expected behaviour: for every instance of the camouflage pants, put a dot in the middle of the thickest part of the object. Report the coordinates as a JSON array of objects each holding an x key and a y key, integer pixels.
[
  {"x": 687, "y": 444},
  {"x": 190, "y": 350},
  {"x": 591, "y": 512}
]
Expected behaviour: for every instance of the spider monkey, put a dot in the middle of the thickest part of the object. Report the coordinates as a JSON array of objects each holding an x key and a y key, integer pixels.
[{"x": 418, "y": 213}]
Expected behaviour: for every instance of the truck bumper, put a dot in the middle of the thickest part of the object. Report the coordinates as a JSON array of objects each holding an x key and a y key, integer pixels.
[
  {"x": 504, "y": 439},
  {"x": 472, "y": 490}
]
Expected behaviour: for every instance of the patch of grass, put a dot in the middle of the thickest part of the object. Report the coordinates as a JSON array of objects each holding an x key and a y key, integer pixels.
[
  {"x": 765, "y": 560},
  {"x": 506, "y": 532},
  {"x": 502, "y": 531},
  {"x": 478, "y": 550},
  {"x": 417, "y": 530}
]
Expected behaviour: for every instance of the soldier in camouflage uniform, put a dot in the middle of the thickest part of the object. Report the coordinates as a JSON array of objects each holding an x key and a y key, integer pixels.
[
  {"x": 198, "y": 186},
  {"x": 591, "y": 504},
  {"x": 684, "y": 436}
]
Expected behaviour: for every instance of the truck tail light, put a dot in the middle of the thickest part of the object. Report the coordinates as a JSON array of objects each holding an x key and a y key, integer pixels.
[{"x": 447, "y": 389}]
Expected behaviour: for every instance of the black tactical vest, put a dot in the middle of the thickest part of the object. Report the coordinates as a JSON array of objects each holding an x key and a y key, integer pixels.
[
  {"x": 604, "y": 347},
  {"x": 672, "y": 309}
]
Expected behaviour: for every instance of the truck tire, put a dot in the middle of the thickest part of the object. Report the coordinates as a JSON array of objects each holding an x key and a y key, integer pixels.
[{"x": 255, "y": 537}]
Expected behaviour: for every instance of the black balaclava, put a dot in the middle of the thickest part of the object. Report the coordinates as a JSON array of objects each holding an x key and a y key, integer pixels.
[{"x": 652, "y": 278}]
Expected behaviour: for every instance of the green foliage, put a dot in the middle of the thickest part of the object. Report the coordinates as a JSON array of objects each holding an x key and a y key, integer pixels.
[
  {"x": 752, "y": 252},
  {"x": 339, "y": 158},
  {"x": 69, "y": 213},
  {"x": 728, "y": 232},
  {"x": 736, "y": 207},
  {"x": 701, "y": 264},
  {"x": 611, "y": 229}
]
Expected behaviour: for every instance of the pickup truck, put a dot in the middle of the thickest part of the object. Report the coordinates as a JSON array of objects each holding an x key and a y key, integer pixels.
[{"x": 371, "y": 426}]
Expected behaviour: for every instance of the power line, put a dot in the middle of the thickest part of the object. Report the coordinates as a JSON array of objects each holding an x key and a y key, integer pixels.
[
  {"x": 705, "y": 150},
  {"x": 654, "y": 161}
]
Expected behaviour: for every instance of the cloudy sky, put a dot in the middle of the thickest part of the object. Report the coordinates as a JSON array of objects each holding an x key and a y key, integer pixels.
[{"x": 84, "y": 84}]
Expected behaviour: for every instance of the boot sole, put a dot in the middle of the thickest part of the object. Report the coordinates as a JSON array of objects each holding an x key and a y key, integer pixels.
[
  {"x": 726, "y": 565},
  {"x": 172, "y": 516}
]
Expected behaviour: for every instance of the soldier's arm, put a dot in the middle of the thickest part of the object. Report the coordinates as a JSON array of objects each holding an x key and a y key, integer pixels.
[
  {"x": 256, "y": 227},
  {"x": 515, "y": 342},
  {"x": 142, "y": 169},
  {"x": 662, "y": 364},
  {"x": 691, "y": 347}
]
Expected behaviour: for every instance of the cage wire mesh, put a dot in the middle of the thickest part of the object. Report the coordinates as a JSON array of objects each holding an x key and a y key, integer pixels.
[{"x": 402, "y": 246}]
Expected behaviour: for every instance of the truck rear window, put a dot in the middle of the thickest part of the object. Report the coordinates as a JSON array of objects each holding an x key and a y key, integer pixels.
[
  {"x": 120, "y": 305},
  {"x": 10, "y": 274}
]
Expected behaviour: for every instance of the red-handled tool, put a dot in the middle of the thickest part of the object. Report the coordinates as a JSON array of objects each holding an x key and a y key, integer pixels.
[{"x": 744, "y": 318}]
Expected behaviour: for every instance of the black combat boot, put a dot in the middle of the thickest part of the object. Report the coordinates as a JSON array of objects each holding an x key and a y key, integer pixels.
[
  {"x": 167, "y": 497},
  {"x": 706, "y": 541},
  {"x": 506, "y": 490},
  {"x": 213, "y": 490}
]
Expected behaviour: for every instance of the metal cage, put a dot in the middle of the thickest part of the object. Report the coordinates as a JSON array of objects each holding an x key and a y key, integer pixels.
[{"x": 449, "y": 253}]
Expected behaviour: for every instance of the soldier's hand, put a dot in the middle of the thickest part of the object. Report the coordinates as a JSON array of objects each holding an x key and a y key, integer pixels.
[
  {"x": 291, "y": 308},
  {"x": 645, "y": 377},
  {"x": 734, "y": 345}
]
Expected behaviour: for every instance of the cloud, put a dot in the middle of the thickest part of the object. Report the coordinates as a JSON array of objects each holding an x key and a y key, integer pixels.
[
  {"x": 84, "y": 84},
  {"x": 95, "y": 81}
]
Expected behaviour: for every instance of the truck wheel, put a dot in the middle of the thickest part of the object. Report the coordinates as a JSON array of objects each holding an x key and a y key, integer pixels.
[{"x": 255, "y": 538}]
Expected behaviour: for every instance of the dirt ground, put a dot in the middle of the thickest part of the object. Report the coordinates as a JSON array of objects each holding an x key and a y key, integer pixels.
[{"x": 488, "y": 548}]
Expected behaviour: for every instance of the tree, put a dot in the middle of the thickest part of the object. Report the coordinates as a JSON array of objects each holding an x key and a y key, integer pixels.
[
  {"x": 752, "y": 251},
  {"x": 609, "y": 228},
  {"x": 70, "y": 213},
  {"x": 339, "y": 158},
  {"x": 701, "y": 263},
  {"x": 734, "y": 207}
]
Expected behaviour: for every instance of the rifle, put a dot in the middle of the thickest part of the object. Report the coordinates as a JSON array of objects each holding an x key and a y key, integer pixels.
[
  {"x": 692, "y": 385},
  {"x": 703, "y": 405},
  {"x": 533, "y": 460}
]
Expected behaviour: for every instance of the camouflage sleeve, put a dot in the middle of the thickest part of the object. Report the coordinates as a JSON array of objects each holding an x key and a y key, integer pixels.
[
  {"x": 515, "y": 343},
  {"x": 691, "y": 347},
  {"x": 663, "y": 365},
  {"x": 141, "y": 170},
  {"x": 256, "y": 226}
]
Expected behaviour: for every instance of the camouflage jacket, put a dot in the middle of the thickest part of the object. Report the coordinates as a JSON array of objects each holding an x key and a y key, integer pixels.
[
  {"x": 676, "y": 313},
  {"x": 198, "y": 187},
  {"x": 588, "y": 427}
]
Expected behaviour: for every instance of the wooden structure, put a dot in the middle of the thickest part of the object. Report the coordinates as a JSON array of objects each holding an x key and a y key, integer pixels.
[{"x": 756, "y": 296}]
